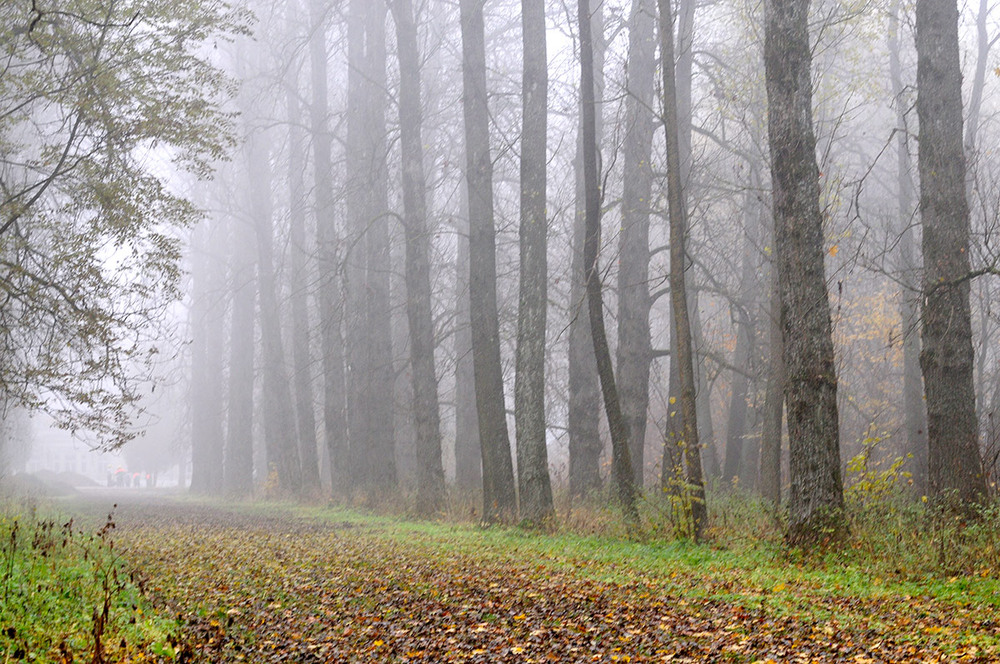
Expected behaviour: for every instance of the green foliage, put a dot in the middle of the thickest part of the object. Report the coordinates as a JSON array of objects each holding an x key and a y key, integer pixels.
[
  {"x": 68, "y": 594},
  {"x": 100, "y": 101}
]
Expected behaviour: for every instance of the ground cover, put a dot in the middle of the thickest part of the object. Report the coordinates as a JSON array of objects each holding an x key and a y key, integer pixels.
[{"x": 283, "y": 583}]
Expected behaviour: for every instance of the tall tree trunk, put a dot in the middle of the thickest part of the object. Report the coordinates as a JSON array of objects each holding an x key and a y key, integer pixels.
[
  {"x": 280, "y": 437},
  {"x": 381, "y": 460},
  {"x": 299, "y": 279},
  {"x": 621, "y": 464},
  {"x": 358, "y": 378},
  {"x": 329, "y": 296},
  {"x": 584, "y": 408},
  {"x": 426, "y": 416},
  {"x": 634, "y": 352},
  {"x": 816, "y": 501},
  {"x": 238, "y": 462},
  {"x": 499, "y": 496},
  {"x": 955, "y": 466},
  {"x": 534, "y": 486},
  {"x": 694, "y": 484},
  {"x": 914, "y": 411},
  {"x": 468, "y": 458},
  {"x": 207, "y": 325}
]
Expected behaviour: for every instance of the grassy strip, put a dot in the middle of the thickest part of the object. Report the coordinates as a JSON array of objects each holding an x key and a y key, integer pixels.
[{"x": 67, "y": 595}]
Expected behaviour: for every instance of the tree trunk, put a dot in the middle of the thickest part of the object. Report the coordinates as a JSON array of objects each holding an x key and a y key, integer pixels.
[
  {"x": 468, "y": 458},
  {"x": 381, "y": 461},
  {"x": 238, "y": 464},
  {"x": 621, "y": 464},
  {"x": 914, "y": 411},
  {"x": 280, "y": 437},
  {"x": 426, "y": 416},
  {"x": 694, "y": 485},
  {"x": 584, "y": 408},
  {"x": 955, "y": 466},
  {"x": 816, "y": 500},
  {"x": 534, "y": 486},
  {"x": 634, "y": 352},
  {"x": 329, "y": 296},
  {"x": 207, "y": 326},
  {"x": 499, "y": 497},
  {"x": 299, "y": 280}
]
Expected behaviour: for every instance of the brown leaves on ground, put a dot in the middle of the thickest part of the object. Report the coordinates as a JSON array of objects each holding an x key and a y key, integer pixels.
[{"x": 283, "y": 590}]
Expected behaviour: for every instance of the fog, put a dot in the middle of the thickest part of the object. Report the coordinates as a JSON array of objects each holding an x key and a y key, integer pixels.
[{"x": 321, "y": 248}]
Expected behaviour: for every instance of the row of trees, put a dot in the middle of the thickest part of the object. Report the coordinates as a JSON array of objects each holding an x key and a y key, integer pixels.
[
  {"x": 393, "y": 181},
  {"x": 411, "y": 237}
]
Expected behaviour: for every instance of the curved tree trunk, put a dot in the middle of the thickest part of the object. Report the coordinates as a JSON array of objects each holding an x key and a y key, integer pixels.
[{"x": 621, "y": 465}]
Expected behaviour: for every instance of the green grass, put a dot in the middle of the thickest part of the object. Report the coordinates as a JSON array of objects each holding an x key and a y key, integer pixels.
[{"x": 57, "y": 582}]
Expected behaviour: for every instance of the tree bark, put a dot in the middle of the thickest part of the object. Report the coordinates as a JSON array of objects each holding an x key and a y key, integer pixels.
[
  {"x": 584, "y": 408},
  {"x": 816, "y": 500},
  {"x": 535, "y": 490},
  {"x": 634, "y": 352},
  {"x": 426, "y": 416},
  {"x": 694, "y": 485},
  {"x": 621, "y": 464},
  {"x": 955, "y": 466},
  {"x": 499, "y": 497}
]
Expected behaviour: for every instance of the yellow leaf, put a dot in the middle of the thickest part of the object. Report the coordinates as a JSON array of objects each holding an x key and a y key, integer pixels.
[
  {"x": 378, "y": 642},
  {"x": 673, "y": 400},
  {"x": 834, "y": 249}
]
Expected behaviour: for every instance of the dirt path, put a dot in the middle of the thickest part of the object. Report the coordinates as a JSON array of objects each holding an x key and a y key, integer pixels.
[{"x": 276, "y": 588}]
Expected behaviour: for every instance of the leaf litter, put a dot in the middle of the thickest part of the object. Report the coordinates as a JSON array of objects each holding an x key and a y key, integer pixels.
[{"x": 261, "y": 587}]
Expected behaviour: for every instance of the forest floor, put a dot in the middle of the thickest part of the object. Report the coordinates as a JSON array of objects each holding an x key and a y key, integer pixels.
[{"x": 277, "y": 583}]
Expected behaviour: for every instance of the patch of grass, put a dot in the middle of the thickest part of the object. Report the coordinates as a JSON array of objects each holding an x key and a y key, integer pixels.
[{"x": 67, "y": 594}]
